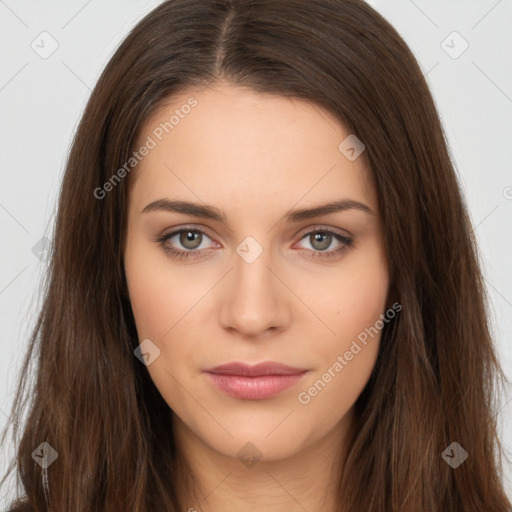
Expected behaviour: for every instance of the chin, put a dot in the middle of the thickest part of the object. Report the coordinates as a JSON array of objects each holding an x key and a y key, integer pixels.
[{"x": 264, "y": 440}]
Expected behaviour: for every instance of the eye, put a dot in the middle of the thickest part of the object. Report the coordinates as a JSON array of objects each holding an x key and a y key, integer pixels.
[
  {"x": 321, "y": 239},
  {"x": 191, "y": 240}
]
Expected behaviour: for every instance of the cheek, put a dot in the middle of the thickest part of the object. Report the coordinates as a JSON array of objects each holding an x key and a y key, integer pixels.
[
  {"x": 166, "y": 304},
  {"x": 361, "y": 302},
  {"x": 160, "y": 297},
  {"x": 160, "y": 294},
  {"x": 352, "y": 300},
  {"x": 353, "y": 303},
  {"x": 152, "y": 304}
]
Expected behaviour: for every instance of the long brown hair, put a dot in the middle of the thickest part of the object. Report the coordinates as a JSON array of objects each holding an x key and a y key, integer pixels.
[{"x": 436, "y": 377}]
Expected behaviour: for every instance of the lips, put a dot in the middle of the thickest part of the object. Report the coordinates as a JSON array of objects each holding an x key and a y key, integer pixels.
[
  {"x": 246, "y": 370},
  {"x": 254, "y": 382}
]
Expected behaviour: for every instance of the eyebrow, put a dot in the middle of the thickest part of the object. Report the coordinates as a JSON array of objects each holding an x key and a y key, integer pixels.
[{"x": 210, "y": 212}]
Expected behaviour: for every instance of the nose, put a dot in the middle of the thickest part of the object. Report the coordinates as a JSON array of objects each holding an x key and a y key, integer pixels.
[{"x": 255, "y": 298}]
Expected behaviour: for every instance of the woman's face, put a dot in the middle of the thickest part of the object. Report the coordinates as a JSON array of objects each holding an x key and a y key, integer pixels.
[{"x": 257, "y": 278}]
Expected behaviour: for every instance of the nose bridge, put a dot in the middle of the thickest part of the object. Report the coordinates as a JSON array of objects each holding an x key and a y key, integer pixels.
[{"x": 255, "y": 299}]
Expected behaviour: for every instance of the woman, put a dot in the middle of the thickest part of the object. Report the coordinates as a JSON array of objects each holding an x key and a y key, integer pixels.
[{"x": 264, "y": 288}]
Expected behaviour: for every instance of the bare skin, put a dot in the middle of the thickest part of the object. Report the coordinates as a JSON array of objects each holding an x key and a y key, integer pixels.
[{"x": 255, "y": 157}]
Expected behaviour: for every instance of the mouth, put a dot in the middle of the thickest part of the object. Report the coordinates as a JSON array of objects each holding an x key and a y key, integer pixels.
[{"x": 254, "y": 382}]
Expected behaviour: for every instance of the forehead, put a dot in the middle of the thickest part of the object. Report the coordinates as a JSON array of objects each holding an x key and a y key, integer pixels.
[{"x": 230, "y": 142}]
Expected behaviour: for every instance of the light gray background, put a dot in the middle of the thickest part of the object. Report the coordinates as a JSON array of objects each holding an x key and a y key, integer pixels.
[{"x": 41, "y": 101}]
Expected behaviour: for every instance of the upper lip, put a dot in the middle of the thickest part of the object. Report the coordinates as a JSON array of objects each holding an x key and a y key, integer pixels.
[{"x": 247, "y": 370}]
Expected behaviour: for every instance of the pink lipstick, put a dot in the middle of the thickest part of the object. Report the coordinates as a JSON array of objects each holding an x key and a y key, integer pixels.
[{"x": 254, "y": 382}]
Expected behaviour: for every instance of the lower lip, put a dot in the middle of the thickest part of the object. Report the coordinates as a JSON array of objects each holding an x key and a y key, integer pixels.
[{"x": 254, "y": 388}]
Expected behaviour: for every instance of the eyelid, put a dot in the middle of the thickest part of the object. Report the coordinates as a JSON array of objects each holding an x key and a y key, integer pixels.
[
  {"x": 320, "y": 227},
  {"x": 191, "y": 227}
]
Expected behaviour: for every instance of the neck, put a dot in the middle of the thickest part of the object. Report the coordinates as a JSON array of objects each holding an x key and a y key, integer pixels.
[{"x": 306, "y": 480}]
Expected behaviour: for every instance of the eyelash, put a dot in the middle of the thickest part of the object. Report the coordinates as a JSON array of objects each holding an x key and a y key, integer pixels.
[{"x": 175, "y": 253}]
